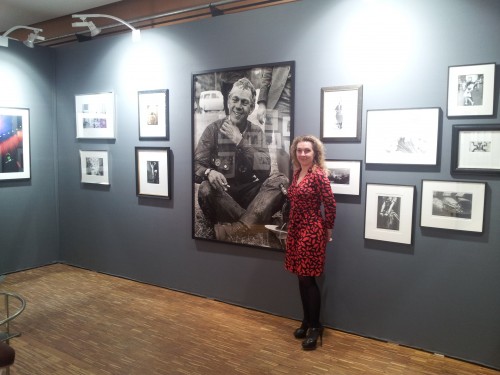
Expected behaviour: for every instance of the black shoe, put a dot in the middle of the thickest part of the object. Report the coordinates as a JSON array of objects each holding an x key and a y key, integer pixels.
[
  {"x": 301, "y": 332},
  {"x": 312, "y": 338}
]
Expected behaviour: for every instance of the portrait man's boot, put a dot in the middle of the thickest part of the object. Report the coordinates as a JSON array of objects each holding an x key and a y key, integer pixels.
[{"x": 227, "y": 232}]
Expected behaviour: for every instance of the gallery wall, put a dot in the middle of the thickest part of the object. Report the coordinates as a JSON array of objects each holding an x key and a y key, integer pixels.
[
  {"x": 29, "y": 235},
  {"x": 440, "y": 293}
]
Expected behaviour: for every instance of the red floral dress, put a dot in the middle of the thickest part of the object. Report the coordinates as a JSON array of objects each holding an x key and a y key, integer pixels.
[{"x": 306, "y": 239}]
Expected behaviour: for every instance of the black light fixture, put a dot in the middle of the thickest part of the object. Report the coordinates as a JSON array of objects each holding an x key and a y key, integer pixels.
[{"x": 214, "y": 11}]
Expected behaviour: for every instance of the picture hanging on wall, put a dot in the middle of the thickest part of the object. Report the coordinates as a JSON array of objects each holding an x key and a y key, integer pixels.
[
  {"x": 345, "y": 176},
  {"x": 242, "y": 123},
  {"x": 153, "y": 115},
  {"x": 471, "y": 90},
  {"x": 94, "y": 167},
  {"x": 389, "y": 213},
  {"x": 15, "y": 144},
  {"x": 475, "y": 149},
  {"x": 152, "y": 166},
  {"x": 341, "y": 112},
  {"x": 455, "y": 205},
  {"x": 403, "y": 136},
  {"x": 95, "y": 115}
]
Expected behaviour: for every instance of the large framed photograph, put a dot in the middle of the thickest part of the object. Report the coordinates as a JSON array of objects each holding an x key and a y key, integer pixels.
[
  {"x": 152, "y": 166},
  {"x": 471, "y": 90},
  {"x": 15, "y": 144},
  {"x": 153, "y": 115},
  {"x": 242, "y": 124},
  {"x": 389, "y": 213},
  {"x": 95, "y": 115},
  {"x": 403, "y": 136},
  {"x": 476, "y": 149},
  {"x": 455, "y": 205},
  {"x": 94, "y": 167},
  {"x": 345, "y": 176},
  {"x": 341, "y": 112}
]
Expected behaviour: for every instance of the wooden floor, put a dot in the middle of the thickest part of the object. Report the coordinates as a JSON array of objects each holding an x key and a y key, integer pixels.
[{"x": 83, "y": 322}]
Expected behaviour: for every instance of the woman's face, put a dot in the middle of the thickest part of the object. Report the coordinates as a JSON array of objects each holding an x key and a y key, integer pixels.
[{"x": 305, "y": 154}]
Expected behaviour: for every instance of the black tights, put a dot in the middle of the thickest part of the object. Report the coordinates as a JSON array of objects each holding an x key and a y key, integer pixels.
[{"x": 311, "y": 300}]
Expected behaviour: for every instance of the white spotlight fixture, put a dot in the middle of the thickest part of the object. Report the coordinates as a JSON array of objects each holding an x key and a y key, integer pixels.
[
  {"x": 94, "y": 30},
  {"x": 30, "y": 42}
]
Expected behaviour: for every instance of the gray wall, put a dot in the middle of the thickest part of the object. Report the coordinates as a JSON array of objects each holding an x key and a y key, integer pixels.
[
  {"x": 440, "y": 294},
  {"x": 29, "y": 234}
]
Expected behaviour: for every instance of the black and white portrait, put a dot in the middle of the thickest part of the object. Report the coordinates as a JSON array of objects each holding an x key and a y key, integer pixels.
[
  {"x": 152, "y": 173},
  {"x": 95, "y": 166},
  {"x": 389, "y": 212},
  {"x": 470, "y": 90},
  {"x": 452, "y": 204},
  {"x": 242, "y": 123}
]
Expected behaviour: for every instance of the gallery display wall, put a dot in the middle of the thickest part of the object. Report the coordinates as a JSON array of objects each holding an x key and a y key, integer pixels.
[{"x": 439, "y": 292}]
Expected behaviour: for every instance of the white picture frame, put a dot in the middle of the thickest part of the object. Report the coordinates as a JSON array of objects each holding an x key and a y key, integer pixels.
[
  {"x": 455, "y": 205},
  {"x": 94, "y": 167},
  {"x": 389, "y": 213},
  {"x": 403, "y": 136},
  {"x": 15, "y": 162},
  {"x": 95, "y": 116}
]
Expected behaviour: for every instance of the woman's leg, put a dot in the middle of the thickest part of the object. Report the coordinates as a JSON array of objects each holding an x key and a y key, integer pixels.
[{"x": 311, "y": 300}]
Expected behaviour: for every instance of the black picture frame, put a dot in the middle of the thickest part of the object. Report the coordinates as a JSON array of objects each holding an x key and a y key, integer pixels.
[
  {"x": 210, "y": 90},
  {"x": 341, "y": 113},
  {"x": 345, "y": 176},
  {"x": 153, "y": 114},
  {"x": 475, "y": 149},
  {"x": 153, "y": 177}
]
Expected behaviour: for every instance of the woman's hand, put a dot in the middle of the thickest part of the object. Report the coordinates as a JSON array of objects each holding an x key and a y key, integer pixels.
[{"x": 329, "y": 233}]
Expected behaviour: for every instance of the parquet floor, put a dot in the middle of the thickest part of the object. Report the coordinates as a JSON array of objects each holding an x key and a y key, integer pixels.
[{"x": 82, "y": 322}]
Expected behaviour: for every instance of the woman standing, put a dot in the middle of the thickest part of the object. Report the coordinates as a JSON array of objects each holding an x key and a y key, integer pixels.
[{"x": 309, "y": 231}]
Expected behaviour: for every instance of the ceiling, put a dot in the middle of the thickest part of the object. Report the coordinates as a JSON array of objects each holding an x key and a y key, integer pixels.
[{"x": 28, "y": 12}]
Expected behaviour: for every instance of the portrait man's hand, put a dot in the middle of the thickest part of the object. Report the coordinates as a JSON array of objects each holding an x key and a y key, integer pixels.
[
  {"x": 231, "y": 131},
  {"x": 217, "y": 180}
]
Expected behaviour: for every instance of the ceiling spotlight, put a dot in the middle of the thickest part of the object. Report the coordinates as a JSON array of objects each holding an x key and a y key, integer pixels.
[
  {"x": 94, "y": 30},
  {"x": 30, "y": 42},
  {"x": 4, "y": 39}
]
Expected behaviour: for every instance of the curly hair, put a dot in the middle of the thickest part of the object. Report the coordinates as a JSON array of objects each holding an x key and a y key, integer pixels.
[{"x": 318, "y": 148}]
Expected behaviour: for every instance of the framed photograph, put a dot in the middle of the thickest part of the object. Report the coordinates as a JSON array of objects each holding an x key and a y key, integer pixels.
[
  {"x": 95, "y": 115},
  {"x": 15, "y": 144},
  {"x": 345, "y": 176},
  {"x": 94, "y": 166},
  {"x": 471, "y": 90},
  {"x": 402, "y": 136},
  {"x": 152, "y": 166},
  {"x": 389, "y": 213},
  {"x": 476, "y": 149},
  {"x": 453, "y": 205},
  {"x": 341, "y": 114},
  {"x": 242, "y": 124},
  {"x": 153, "y": 115}
]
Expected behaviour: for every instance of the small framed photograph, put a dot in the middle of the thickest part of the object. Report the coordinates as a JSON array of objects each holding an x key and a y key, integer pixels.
[
  {"x": 341, "y": 108},
  {"x": 95, "y": 115},
  {"x": 152, "y": 165},
  {"x": 402, "y": 136},
  {"x": 389, "y": 213},
  {"x": 345, "y": 176},
  {"x": 153, "y": 115},
  {"x": 94, "y": 166},
  {"x": 471, "y": 90},
  {"x": 453, "y": 205},
  {"x": 15, "y": 159},
  {"x": 476, "y": 149}
]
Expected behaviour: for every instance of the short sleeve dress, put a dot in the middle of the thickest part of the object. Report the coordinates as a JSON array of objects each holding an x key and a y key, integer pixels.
[{"x": 306, "y": 239}]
